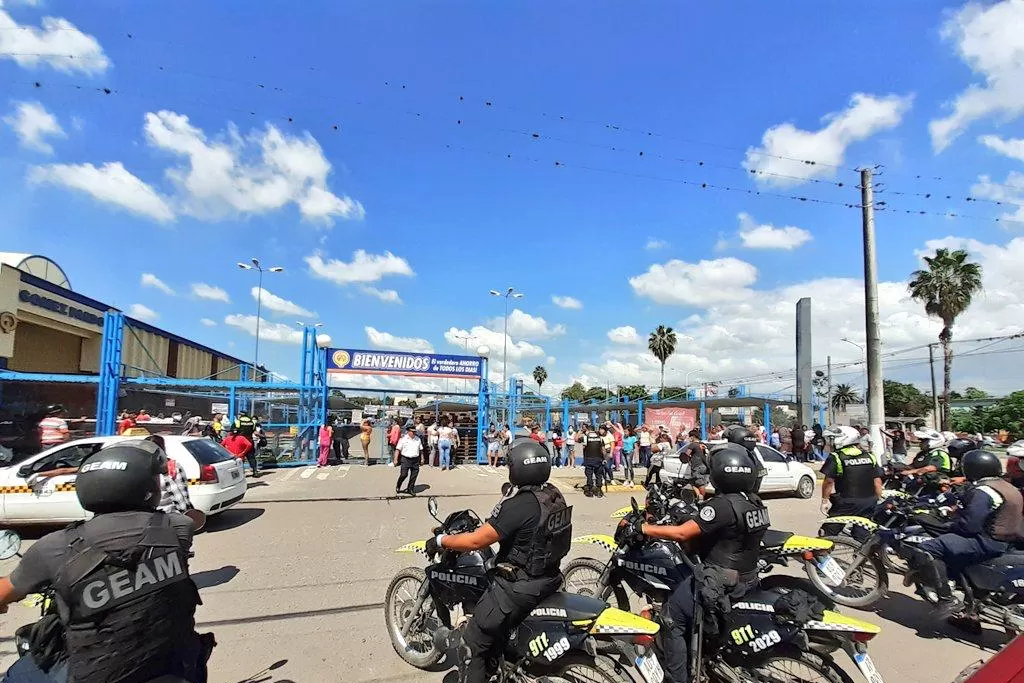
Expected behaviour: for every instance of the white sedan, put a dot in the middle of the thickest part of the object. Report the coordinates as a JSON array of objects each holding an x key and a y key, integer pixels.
[
  {"x": 215, "y": 479},
  {"x": 783, "y": 475}
]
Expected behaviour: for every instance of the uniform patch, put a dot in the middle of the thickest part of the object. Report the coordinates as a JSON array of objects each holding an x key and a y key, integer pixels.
[{"x": 707, "y": 513}]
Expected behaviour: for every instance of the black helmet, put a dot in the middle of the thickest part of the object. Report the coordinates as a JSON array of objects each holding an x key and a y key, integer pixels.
[
  {"x": 958, "y": 448},
  {"x": 733, "y": 470},
  {"x": 123, "y": 477},
  {"x": 55, "y": 409},
  {"x": 979, "y": 464},
  {"x": 741, "y": 436},
  {"x": 528, "y": 463}
]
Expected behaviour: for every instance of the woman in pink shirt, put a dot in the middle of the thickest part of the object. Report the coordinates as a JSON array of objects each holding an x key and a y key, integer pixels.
[{"x": 326, "y": 436}]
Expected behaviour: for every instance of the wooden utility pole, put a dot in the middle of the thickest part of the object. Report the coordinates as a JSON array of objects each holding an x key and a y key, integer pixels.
[
  {"x": 876, "y": 399},
  {"x": 936, "y": 417}
]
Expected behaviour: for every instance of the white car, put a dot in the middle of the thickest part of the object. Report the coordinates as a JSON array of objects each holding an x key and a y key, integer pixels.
[
  {"x": 783, "y": 475},
  {"x": 215, "y": 477}
]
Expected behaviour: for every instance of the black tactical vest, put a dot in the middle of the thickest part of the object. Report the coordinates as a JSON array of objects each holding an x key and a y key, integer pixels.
[
  {"x": 129, "y": 613},
  {"x": 855, "y": 473},
  {"x": 543, "y": 554},
  {"x": 594, "y": 448},
  {"x": 738, "y": 546},
  {"x": 1007, "y": 523}
]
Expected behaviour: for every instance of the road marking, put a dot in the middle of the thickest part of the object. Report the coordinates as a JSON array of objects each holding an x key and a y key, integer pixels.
[
  {"x": 322, "y": 475},
  {"x": 343, "y": 471},
  {"x": 292, "y": 471},
  {"x": 308, "y": 472}
]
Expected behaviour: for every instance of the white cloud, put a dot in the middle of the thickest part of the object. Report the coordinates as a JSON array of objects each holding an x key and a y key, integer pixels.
[
  {"x": 364, "y": 267},
  {"x": 201, "y": 290},
  {"x": 234, "y": 175},
  {"x": 282, "y": 333},
  {"x": 207, "y": 322},
  {"x": 865, "y": 116},
  {"x": 1010, "y": 192},
  {"x": 526, "y": 326},
  {"x": 384, "y": 340},
  {"x": 696, "y": 284},
  {"x": 567, "y": 302},
  {"x": 495, "y": 341},
  {"x": 150, "y": 280},
  {"x": 33, "y": 124},
  {"x": 388, "y": 296},
  {"x": 990, "y": 40},
  {"x": 624, "y": 335},
  {"x": 56, "y": 43},
  {"x": 1013, "y": 148},
  {"x": 140, "y": 312},
  {"x": 550, "y": 360},
  {"x": 653, "y": 243},
  {"x": 111, "y": 183},
  {"x": 767, "y": 236},
  {"x": 279, "y": 305}
]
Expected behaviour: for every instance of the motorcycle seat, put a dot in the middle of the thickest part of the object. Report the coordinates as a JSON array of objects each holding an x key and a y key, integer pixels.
[
  {"x": 775, "y": 539},
  {"x": 561, "y": 606}
]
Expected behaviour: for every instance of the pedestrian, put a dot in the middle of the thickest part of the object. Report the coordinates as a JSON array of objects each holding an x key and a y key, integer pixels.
[
  {"x": 786, "y": 441},
  {"x": 53, "y": 429},
  {"x": 432, "y": 440},
  {"x": 365, "y": 434},
  {"x": 394, "y": 435},
  {"x": 506, "y": 441},
  {"x": 775, "y": 441},
  {"x": 326, "y": 437},
  {"x": 645, "y": 442},
  {"x": 618, "y": 433},
  {"x": 570, "y": 447},
  {"x": 218, "y": 426},
  {"x": 657, "y": 462},
  {"x": 409, "y": 450},
  {"x": 493, "y": 440},
  {"x": 536, "y": 435},
  {"x": 817, "y": 442},
  {"x": 799, "y": 442},
  {"x": 447, "y": 440},
  {"x": 628, "y": 450},
  {"x": 143, "y": 416},
  {"x": 557, "y": 446},
  {"x": 609, "y": 446},
  {"x": 593, "y": 463},
  {"x": 899, "y": 444},
  {"x": 240, "y": 447},
  {"x": 125, "y": 422},
  {"x": 421, "y": 434}
]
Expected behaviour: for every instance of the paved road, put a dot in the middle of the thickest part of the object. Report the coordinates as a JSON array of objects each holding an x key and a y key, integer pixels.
[{"x": 298, "y": 572}]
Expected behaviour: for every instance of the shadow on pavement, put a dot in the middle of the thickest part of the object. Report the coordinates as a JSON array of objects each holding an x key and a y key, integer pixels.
[
  {"x": 284, "y": 616},
  {"x": 215, "y": 577},
  {"x": 254, "y": 484},
  {"x": 261, "y": 676},
  {"x": 232, "y": 519},
  {"x": 914, "y": 613}
]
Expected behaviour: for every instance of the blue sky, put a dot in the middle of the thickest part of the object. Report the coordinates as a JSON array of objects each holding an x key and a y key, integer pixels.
[{"x": 304, "y": 133}]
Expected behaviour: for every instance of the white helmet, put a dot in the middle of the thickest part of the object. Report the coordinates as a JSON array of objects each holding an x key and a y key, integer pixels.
[
  {"x": 934, "y": 438},
  {"x": 842, "y": 435},
  {"x": 948, "y": 436},
  {"x": 1016, "y": 450}
]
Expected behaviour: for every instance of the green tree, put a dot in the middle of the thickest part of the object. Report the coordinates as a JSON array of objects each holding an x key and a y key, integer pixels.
[
  {"x": 1007, "y": 414},
  {"x": 597, "y": 394},
  {"x": 574, "y": 392},
  {"x": 973, "y": 393},
  {"x": 633, "y": 392},
  {"x": 843, "y": 395},
  {"x": 408, "y": 403},
  {"x": 540, "y": 375},
  {"x": 662, "y": 343},
  {"x": 778, "y": 414},
  {"x": 905, "y": 400},
  {"x": 946, "y": 287}
]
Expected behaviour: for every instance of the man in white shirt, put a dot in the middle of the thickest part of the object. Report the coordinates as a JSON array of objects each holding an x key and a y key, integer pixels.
[{"x": 407, "y": 453}]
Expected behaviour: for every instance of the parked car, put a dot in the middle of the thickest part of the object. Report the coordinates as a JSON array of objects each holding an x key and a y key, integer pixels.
[
  {"x": 216, "y": 480},
  {"x": 784, "y": 476}
]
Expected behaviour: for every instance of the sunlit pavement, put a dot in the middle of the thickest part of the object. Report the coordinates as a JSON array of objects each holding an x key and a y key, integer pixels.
[{"x": 298, "y": 573}]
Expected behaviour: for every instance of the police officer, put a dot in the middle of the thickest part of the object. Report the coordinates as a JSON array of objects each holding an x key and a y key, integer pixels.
[
  {"x": 990, "y": 521},
  {"x": 933, "y": 457},
  {"x": 853, "y": 478},
  {"x": 741, "y": 436},
  {"x": 534, "y": 527},
  {"x": 246, "y": 426},
  {"x": 727, "y": 529},
  {"x": 593, "y": 462},
  {"x": 121, "y": 579}
]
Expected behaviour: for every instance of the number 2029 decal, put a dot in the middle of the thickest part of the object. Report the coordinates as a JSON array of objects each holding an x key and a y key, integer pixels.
[
  {"x": 540, "y": 647},
  {"x": 745, "y": 634}
]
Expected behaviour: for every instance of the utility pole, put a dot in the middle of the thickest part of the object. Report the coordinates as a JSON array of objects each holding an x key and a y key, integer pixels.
[
  {"x": 936, "y": 419},
  {"x": 876, "y": 399},
  {"x": 831, "y": 409}
]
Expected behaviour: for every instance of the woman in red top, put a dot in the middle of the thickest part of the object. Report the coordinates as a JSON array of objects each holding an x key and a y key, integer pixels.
[{"x": 240, "y": 447}]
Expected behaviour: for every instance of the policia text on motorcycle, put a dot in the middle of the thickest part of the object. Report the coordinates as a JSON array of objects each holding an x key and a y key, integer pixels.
[
  {"x": 534, "y": 528},
  {"x": 853, "y": 478},
  {"x": 125, "y": 601},
  {"x": 727, "y": 531}
]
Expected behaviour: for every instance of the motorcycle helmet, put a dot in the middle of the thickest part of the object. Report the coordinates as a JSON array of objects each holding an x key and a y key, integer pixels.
[
  {"x": 529, "y": 463},
  {"x": 930, "y": 438},
  {"x": 842, "y": 435},
  {"x": 958, "y": 448},
  {"x": 741, "y": 436},
  {"x": 979, "y": 464},
  {"x": 55, "y": 409},
  {"x": 124, "y": 476},
  {"x": 733, "y": 470}
]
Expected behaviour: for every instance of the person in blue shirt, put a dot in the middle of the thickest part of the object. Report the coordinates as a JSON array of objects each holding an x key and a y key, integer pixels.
[{"x": 628, "y": 449}]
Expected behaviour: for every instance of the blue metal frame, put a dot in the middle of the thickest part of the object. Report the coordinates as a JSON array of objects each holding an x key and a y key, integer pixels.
[{"x": 110, "y": 372}]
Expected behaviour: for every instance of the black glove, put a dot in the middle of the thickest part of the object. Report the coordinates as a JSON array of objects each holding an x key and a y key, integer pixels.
[
  {"x": 432, "y": 546},
  {"x": 630, "y": 529}
]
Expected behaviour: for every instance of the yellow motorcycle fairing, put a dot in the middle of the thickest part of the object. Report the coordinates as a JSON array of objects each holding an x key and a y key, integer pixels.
[
  {"x": 606, "y": 542},
  {"x": 622, "y": 512},
  {"x": 614, "y": 621},
  {"x": 862, "y": 522},
  {"x": 800, "y": 544},
  {"x": 414, "y": 547},
  {"x": 834, "y": 621}
]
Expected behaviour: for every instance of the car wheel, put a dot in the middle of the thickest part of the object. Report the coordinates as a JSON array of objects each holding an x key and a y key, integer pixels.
[{"x": 805, "y": 488}]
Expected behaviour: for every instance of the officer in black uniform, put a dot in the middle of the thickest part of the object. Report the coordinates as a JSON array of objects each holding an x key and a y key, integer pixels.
[
  {"x": 727, "y": 530},
  {"x": 853, "y": 478},
  {"x": 121, "y": 579},
  {"x": 245, "y": 425},
  {"x": 741, "y": 436},
  {"x": 593, "y": 463},
  {"x": 534, "y": 527},
  {"x": 992, "y": 518}
]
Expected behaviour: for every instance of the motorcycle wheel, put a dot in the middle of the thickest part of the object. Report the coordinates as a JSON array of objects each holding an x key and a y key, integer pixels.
[
  {"x": 869, "y": 583},
  {"x": 784, "y": 663},
  {"x": 578, "y": 668},
  {"x": 580, "y": 576},
  {"x": 418, "y": 649}
]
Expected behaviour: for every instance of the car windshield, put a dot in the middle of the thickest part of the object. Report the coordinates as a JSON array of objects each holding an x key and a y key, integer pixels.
[{"x": 206, "y": 452}]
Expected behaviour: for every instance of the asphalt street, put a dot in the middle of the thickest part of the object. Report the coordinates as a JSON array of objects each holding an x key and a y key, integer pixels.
[{"x": 294, "y": 577}]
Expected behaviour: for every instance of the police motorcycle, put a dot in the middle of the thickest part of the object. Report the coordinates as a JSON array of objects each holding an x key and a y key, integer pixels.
[
  {"x": 761, "y": 638},
  {"x": 566, "y": 636}
]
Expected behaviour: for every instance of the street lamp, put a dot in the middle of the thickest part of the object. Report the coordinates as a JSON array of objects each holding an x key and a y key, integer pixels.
[
  {"x": 865, "y": 360},
  {"x": 504, "y": 354},
  {"x": 465, "y": 338},
  {"x": 259, "y": 301}
]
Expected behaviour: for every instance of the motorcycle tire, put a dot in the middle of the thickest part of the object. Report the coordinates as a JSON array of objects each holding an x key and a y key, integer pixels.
[
  {"x": 877, "y": 586},
  {"x": 821, "y": 664},
  {"x": 579, "y": 668},
  {"x": 419, "y": 660},
  {"x": 580, "y": 564}
]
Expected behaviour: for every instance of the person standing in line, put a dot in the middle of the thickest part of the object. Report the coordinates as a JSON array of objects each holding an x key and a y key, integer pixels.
[
  {"x": 570, "y": 447},
  {"x": 775, "y": 441},
  {"x": 365, "y": 434},
  {"x": 899, "y": 444},
  {"x": 608, "y": 442},
  {"x": 799, "y": 443},
  {"x": 818, "y": 442},
  {"x": 447, "y": 440},
  {"x": 786, "y": 441},
  {"x": 645, "y": 442},
  {"x": 618, "y": 434},
  {"x": 408, "y": 450},
  {"x": 432, "y": 441},
  {"x": 557, "y": 446},
  {"x": 394, "y": 435},
  {"x": 506, "y": 441},
  {"x": 628, "y": 449},
  {"x": 326, "y": 436},
  {"x": 421, "y": 434},
  {"x": 53, "y": 429},
  {"x": 493, "y": 440}
]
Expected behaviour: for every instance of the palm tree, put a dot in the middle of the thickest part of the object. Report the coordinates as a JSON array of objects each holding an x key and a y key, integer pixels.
[
  {"x": 662, "y": 344},
  {"x": 843, "y": 395},
  {"x": 946, "y": 287},
  {"x": 540, "y": 375}
]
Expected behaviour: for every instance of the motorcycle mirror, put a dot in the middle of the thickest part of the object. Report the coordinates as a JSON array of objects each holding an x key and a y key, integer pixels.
[
  {"x": 632, "y": 502},
  {"x": 198, "y": 518},
  {"x": 505, "y": 488},
  {"x": 432, "y": 507},
  {"x": 10, "y": 544}
]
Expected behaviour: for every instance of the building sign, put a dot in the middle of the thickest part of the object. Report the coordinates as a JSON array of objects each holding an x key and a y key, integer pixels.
[
  {"x": 60, "y": 307},
  {"x": 674, "y": 419},
  {"x": 360, "y": 362}
]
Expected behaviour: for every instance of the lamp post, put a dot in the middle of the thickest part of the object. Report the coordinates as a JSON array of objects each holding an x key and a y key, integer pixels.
[
  {"x": 865, "y": 360},
  {"x": 465, "y": 338},
  {"x": 259, "y": 301},
  {"x": 511, "y": 292},
  {"x": 686, "y": 381}
]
